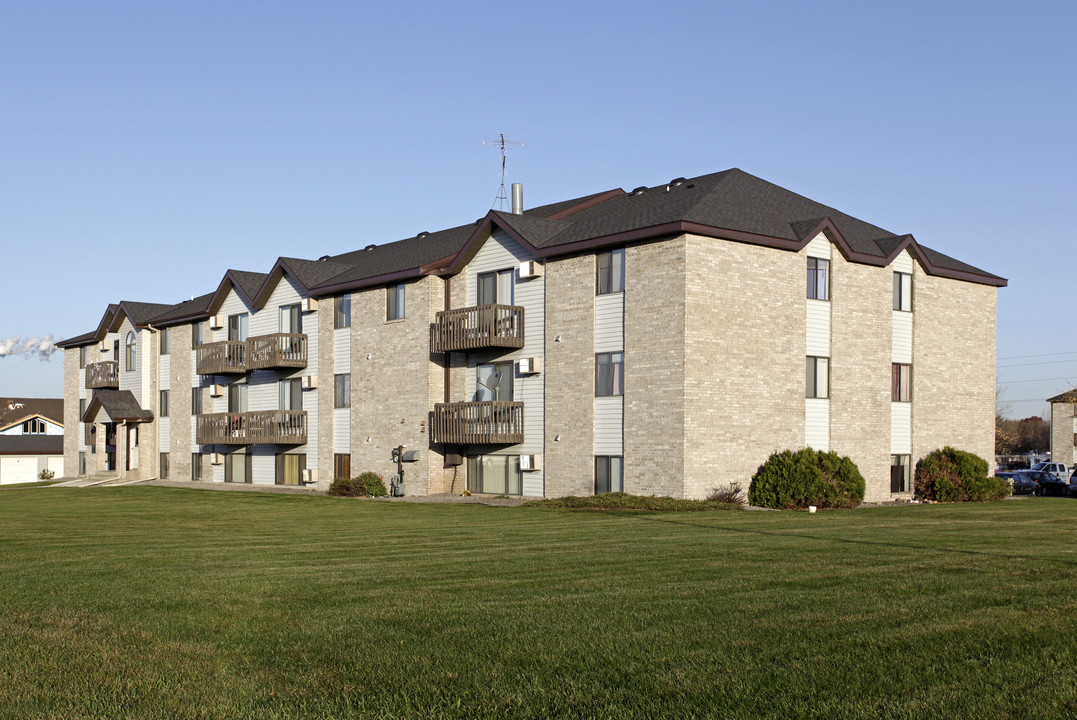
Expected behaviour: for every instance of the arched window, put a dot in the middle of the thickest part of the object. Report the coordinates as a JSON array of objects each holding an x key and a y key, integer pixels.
[{"x": 130, "y": 352}]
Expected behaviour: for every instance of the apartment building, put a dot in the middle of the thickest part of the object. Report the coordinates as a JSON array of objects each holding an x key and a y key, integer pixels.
[{"x": 664, "y": 340}]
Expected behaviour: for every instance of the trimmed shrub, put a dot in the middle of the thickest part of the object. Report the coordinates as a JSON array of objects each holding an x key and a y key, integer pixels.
[
  {"x": 807, "y": 477},
  {"x": 952, "y": 475},
  {"x": 369, "y": 484}
]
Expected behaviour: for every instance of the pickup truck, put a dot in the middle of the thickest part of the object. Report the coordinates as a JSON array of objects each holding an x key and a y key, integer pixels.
[{"x": 1059, "y": 470}]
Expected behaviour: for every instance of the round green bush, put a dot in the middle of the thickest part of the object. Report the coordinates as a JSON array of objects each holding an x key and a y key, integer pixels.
[
  {"x": 807, "y": 477},
  {"x": 369, "y": 484},
  {"x": 952, "y": 475}
]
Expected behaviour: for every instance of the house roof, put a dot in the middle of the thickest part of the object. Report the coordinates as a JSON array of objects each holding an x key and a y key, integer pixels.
[
  {"x": 31, "y": 444},
  {"x": 730, "y": 205},
  {"x": 119, "y": 405},
  {"x": 17, "y": 410},
  {"x": 1070, "y": 396}
]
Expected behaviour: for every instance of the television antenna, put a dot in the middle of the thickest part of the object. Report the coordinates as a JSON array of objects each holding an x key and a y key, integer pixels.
[{"x": 504, "y": 144}]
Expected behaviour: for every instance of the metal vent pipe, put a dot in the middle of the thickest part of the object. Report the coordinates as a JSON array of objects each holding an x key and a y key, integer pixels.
[{"x": 517, "y": 199}]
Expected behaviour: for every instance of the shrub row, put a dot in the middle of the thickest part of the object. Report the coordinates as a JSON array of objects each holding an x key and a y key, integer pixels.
[{"x": 369, "y": 484}]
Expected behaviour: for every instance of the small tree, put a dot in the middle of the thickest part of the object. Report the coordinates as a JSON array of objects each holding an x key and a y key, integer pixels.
[
  {"x": 952, "y": 475},
  {"x": 807, "y": 477}
]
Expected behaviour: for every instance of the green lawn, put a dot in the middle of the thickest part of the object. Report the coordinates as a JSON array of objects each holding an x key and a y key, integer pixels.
[{"x": 146, "y": 602}]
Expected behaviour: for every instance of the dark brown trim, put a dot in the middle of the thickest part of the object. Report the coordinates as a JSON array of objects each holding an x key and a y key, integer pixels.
[{"x": 608, "y": 195}]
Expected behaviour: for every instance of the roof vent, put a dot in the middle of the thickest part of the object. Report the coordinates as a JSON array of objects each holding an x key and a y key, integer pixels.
[
  {"x": 423, "y": 234},
  {"x": 677, "y": 181},
  {"x": 640, "y": 190},
  {"x": 323, "y": 258},
  {"x": 517, "y": 199},
  {"x": 370, "y": 247}
]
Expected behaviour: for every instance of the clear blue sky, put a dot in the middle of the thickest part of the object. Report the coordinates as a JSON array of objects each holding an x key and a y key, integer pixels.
[{"x": 147, "y": 147}]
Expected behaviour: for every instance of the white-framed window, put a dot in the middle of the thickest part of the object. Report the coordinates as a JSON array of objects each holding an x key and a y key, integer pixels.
[
  {"x": 818, "y": 279},
  {"x": 129, "y": 360},
  {"x": 610, "y": 269},
  {"x": 494, "y": 474},
  {"x": 609, "y": 374},
  {"x": 609, "y": 474},
  {"x": 901, "y": 383},
  {"x": 394, "y": 302},
  {"x": 817, "y": 377},
  {"x": 34, "y": 426},
  {"x": 903, "y": 291}
]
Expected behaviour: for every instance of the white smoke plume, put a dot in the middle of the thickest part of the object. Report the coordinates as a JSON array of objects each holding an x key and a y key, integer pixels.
[{"x": 40, "y": 347}]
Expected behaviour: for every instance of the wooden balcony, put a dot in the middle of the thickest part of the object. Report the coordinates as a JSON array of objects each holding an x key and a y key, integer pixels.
[
  {"x": 483, "y": 326},
  {"x": 268, "y": 427},
  {"x": 101, "y": 375},
  {"x": 279, "y": 350},
  {"x": 228, "y": 357},
  {"x": 479, "y": 423}
]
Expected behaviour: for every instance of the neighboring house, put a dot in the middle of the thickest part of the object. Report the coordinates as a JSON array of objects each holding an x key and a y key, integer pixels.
[
  {"x": 1064, "y": 427},
  {"x": 664, "y": 340},
  {"x": 31, "y": 438}
]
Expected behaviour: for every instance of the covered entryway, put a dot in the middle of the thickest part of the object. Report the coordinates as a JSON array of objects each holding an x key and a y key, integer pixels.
[{"x": 119, "y": 415}]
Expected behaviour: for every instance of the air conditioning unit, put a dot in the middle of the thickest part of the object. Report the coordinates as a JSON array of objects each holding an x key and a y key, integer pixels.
[
  {"x": 216, "y": 390},
  {"x": 530, "y": 269},
  {"x": 310, "y": 382},
  {"x": 530, "y": 366},
  {"x": 104, "y": 346},
  {"x": 214, "y": 323},
  {"x": 310, "y": 475},
  {"x": 530, "y": 462},
  {"x": 216, "y": 458},
  {"x": 309, "y": 305}
]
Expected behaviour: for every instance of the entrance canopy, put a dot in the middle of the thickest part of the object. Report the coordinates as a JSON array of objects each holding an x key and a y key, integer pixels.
[{"x": 115, "y": 406}]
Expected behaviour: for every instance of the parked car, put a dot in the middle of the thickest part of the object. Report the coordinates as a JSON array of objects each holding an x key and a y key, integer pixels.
[
  {"x": 1023, "y": 484},
  {"x": 1059, "y": 470},
  {"x": 1048, "y": 484}
]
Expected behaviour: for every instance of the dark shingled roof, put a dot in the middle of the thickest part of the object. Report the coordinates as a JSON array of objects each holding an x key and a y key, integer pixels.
[
  {"x": 400, "y": 256},
  {"x": 83, "y": 339},
  {"x": 1070, "y": 396},
  {"x": 312, "y": 273},
  {"x": 249, "y": 282},
  {"x": 15, "y": 410},
  {"x": 184, "y": 310},
  {"x": 140, "y": 313},
  {"x": 31, "y": 444},
  {"x": 120, "y": 405}
]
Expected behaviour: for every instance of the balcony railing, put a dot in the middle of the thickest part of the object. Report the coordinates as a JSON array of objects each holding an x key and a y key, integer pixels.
[
  {"x": 268, "y": 427},
  {"x": 479, "y": 423},
  {"x": 102, "y": 375},
  {"x": 280, "y": 350},
  {"x": 228, "y": 357},
  {"x": 483, "y": 326}
]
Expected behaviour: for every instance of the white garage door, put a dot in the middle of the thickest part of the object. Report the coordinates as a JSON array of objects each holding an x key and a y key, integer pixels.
[{"x": 17, "y": 470}]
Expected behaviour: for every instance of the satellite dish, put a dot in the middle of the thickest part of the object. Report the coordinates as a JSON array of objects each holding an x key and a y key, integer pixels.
[{"x": 492, "y": 381}]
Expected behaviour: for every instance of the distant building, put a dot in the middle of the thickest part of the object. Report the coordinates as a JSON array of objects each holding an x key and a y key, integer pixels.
[
  {"x": 1063, "y": 427},
  {"x": 31, "y": 438},
  {"x": 660, "y": 341}
]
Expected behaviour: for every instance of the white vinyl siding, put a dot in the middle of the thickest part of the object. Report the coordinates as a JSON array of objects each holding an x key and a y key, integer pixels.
[
  {"x": 818, "y": 328},
  {"x": 609, "y": 425},
  {"x": 817, "y": 423},
  {"x": 609, "y": 324},
  {"x": 342, "y": 418},
  {"x": 609, "y": 337},
  {"x": 817, "y": 344},
  {"x": 902, "y": 339},
  {"x": 901, "y": 352},
  {"x": 502, "y": 252},
  {"x": 900, "y": 428},
  {"x": 131, "y": 380}
]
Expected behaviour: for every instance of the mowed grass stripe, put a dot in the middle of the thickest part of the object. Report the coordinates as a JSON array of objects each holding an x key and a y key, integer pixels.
[{"x": 158, "y": 602}]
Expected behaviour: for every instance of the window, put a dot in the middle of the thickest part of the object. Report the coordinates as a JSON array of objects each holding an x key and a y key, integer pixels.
[
  {"x": 237, "y": 468},
  {"x": 493, "y": 381},
  {"x": 291, "y": 319},
  {"x": 817, "y": 281},
  {"x": 198, "y": 334},
  {"x": 342, "y": 312},
  {"x": 342, "y": 465},
  {"x": 129, "y": 362},
  {"x": 290, "y": 469},
  {"x": 394, "y": 302},
  {"x": 817, "y": 377},
  {"x": 163, "y": 472},
  {"x": 899, "y": 473},
  {"x": 496, "y": 288},
  {"x": 291, "y": 394},
  {"x": 237, "y": 397},
  {"x": 494, "y": 474},
  {"x": 82, "y": 408},
  {"x": 196, "y": 401},
  {"x": 34, "y": 426},
  {"x": 196, "y": 467},
  {"x": 609, "y": 474},
  {"x": 162, "y": 407},
  {"x": 609, "y": 374},
  {"x": 164, "y": 341},
  {"x": 611, "y": 272},
  {"x": 342, "y": 390},
  {"x": 82, "y": 463},
  {"x": 82, "y": 357},
  {"x": 903, "y": 291},
  {"x": 237, "y": 327},
  {"x": 901, "y": 383}
]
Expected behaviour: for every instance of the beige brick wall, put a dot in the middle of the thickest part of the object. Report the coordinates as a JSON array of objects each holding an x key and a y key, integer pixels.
[
  {"x": 953, "y": 380},
  {"x": 72, "y": 428},
  {"x": 1061, "y": 432},
  {"x": 179, "y": 403},
  {"x": 394, "y": 390},
  {"x": 861, "y": 336},
  {"x": 743, "y": 373},
  {"x": 569, "y": 374}
]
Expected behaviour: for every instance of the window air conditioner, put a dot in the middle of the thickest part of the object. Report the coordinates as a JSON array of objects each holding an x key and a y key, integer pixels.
[
  {"x": 309, "y": 305},
  {"x": 216, "y": 390},
  {"x": 530, "y": 269},
  {"x": 214, "y": 323},
  {"x": 104, "y": 346},
  {"x": 530, "y": 366},
  {"x": 530, "y": 462},
  {"x": 310, "y": 475},
  {"x": 216, "y": 458},
  {"x": 310, "y": 382}
]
